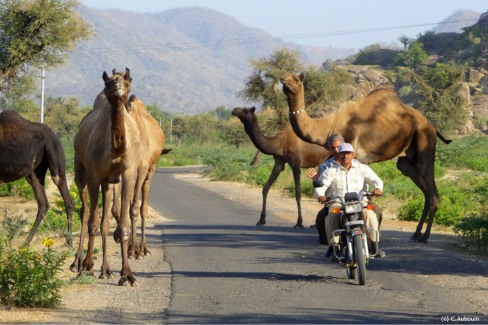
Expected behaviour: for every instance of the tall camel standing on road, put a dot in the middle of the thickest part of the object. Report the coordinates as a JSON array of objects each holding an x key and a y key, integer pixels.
[
  {"x": 110, "y": 146},
  {"x": 156, "y": 149},
  {"x": 285, "y": 147},
  {"x": 29, "y": 149},
  {"x": 380, "y": 127}
]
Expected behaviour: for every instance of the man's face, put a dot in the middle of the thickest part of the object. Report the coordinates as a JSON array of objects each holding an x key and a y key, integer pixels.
[
  {"x": 334, "y": 147},
  {"x": 346, "y": 158}
]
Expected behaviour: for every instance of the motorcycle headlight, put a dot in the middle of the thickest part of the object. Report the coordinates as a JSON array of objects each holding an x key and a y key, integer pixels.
[{"x": 353, "y": 207}]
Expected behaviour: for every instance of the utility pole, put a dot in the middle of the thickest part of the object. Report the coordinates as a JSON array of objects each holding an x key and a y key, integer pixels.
[{"x": 42, "y": 95}]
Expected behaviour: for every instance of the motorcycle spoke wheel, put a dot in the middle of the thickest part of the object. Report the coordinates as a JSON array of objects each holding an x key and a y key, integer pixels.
[{"x": 359, "y": 257}]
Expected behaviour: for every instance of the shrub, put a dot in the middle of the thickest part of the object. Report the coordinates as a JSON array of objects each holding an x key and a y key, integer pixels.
[
  {"x": 473, "y": 233},
  {"x": 29, "y": 278}
]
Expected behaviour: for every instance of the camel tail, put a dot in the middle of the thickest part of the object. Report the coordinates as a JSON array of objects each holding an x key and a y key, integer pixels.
[
  {"x": 446, "y": 141},
  {"x": 165, "y": 151}
]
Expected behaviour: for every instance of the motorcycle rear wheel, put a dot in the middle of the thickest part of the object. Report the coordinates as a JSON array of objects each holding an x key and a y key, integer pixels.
[{"x": 359, "y": 257}]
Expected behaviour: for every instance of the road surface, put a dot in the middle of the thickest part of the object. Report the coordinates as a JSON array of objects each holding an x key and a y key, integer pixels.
[{"x": 227, "y": 270}]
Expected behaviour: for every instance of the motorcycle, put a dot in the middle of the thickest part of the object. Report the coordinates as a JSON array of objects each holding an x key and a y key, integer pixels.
[{"x": 353, "y": 249}]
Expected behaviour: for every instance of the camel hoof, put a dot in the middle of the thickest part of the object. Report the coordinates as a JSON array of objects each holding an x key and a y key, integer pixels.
[
  {"x": 298, "y": 226},
  {"x": 127, "y": 280},
  {"x": 261, "y": 223},
  {"x": 416, "y": 237},
  {"x": 422, "y": 240}
]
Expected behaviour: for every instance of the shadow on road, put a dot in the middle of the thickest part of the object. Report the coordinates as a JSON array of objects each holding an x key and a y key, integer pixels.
[{"x": 439, "y": 256}]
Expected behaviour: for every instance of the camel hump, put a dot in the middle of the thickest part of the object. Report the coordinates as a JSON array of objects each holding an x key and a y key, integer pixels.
[{"x": 446, "y": 141}]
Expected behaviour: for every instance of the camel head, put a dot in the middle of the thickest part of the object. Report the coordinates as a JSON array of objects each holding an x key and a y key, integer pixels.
[
  {"x": 118, "y": 85},
  {"x": 292, "y": 84},
  {"x": 244, "y": 114}
]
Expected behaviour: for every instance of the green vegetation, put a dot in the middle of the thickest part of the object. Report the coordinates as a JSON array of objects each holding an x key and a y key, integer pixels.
[
  {"x": 28, "y": 278},
  {"x": 34, "y": 35}
]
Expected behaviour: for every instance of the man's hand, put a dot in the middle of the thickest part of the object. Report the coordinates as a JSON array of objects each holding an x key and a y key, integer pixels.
[
  {"x": 312, "y": 174},
  {"x": 321, "y": 199},
  {"x": 377, "y": 192}
]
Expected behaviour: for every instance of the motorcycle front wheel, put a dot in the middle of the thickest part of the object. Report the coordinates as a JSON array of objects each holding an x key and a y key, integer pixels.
[{"x": 359, "y": 257}]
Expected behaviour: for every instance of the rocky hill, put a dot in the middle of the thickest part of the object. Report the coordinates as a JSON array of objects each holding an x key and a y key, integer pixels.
[{"x": 186, "y": 60}]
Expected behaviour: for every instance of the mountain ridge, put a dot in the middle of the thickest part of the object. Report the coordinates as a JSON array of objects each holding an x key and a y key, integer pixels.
[{"x": 185, "y": 60}]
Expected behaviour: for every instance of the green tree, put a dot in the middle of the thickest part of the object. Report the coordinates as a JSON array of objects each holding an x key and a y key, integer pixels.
[
  {"x": 439, "y": 89},
  {"x": 412, "y": 57},
  {"x": 264, "y": 84},
  {"x": 63, "y": 115},
  {"x": 232, "y": 132},
  {"x": 36, "y": 34}
]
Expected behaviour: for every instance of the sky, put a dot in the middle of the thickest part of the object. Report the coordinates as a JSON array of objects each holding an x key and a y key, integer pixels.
[{"x": 338, "y": 24}]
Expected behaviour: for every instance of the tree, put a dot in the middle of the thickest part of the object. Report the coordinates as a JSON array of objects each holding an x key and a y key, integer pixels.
[
  {"x": 438, "y": 88},
  {"x": 405, "y": 41},
  {"x": 36, "y": 34},
  {"x": 264, "y": 85},
  {"x": 412, "y": 57},
  {"x": 322, "y": 87}
]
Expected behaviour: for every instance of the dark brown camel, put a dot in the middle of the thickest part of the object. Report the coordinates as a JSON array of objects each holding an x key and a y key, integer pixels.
[
  {"x": 29, "y": 149},
  {"x": 286, "y": 148},
  {"x": 380, "y": 127},
  {"x": 110, "y": 146}
]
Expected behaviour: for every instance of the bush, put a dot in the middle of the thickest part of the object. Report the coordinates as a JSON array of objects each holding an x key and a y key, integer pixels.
[
  {"x": 20, "y": 187},
  {"x": 29, "y": 278},
  {"x": 473, "y": 233}
]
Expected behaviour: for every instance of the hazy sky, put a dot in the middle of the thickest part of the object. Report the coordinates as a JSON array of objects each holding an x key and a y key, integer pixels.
[{"x": 349, "y": 23}]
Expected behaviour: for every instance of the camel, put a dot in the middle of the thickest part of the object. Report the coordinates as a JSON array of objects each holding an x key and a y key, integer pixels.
[
  {"x": 285, "y": 147},
  {"x": 380, "y": 127},
  {"x": 110, "y": 147},
  {"x": 29, "y": 149},
  {"x": 156, "y": 149}
]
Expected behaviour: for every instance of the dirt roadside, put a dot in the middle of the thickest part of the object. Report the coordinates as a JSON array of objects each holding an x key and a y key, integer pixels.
[{"x": 104, "y": 302}]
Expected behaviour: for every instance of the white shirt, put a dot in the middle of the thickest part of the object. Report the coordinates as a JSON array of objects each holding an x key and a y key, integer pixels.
[{"x": 338, "y": 181}]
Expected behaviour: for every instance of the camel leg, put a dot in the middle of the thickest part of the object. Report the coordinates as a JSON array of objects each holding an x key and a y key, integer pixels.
[
  {"x": 278, "y": 167},
  {"x": 42, "y": 202},
  {"x": 84, "y": 215},
  {"x": 431, "y": 197},
  {"x": 62, "y": 185},
  {"x": 57, "y": 167},
  {"x": 93, "y": 224},
  {"x": 298, "y": 195},
  {"x": 116, "y": 202},
  {"x": 80, "y": 181},
  {"x": 107, "y": 191},
  {"x": 144, "y": 207},
  {"x": 134, "y": 249},
  {"x": 127, "y": 193}
]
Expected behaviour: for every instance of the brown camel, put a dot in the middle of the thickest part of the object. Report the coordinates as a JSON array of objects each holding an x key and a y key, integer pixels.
[
  {"x": 156, "y": 149},
  {"x": 285, "y": 148},
  {"x": 29, "y": 149},
  {"x": 380, "y": 127},
  {"x": 110, "y": 146}
]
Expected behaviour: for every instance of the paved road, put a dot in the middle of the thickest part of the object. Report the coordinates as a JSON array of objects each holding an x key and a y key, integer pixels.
[{"x": 227, "y": 270}]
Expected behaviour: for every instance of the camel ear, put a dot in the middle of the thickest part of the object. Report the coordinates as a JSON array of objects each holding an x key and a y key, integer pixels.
[
  {"x": 114, "y": 72},
  {"x": 301, "y": 76},
  {"x": 105, "y": 76},
  {"x": 127, "y": 74},
  {"x": 253, "y": 109}
]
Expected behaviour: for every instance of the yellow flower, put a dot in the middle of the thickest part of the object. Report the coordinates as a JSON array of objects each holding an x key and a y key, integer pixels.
[{"x": 48, "y": 242}]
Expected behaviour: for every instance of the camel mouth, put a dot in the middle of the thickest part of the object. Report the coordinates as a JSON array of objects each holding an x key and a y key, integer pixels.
[{"x": 119, "y": 91}]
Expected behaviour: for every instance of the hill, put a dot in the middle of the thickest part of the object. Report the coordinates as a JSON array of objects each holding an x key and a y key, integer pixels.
[{"x": 186, "y": 60}]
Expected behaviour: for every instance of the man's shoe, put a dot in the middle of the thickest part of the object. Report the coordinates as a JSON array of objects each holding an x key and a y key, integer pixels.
[
  {"x": 329, "y": 251},
  {"x": 381, "y": 253},
  {"x": 334, "y": 258}
]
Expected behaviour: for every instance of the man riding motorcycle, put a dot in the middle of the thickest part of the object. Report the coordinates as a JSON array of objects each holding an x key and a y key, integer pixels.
[{"x": 348, "y": 176}]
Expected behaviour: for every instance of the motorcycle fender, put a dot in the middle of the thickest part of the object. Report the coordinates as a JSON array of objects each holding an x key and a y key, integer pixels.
[{"x": 356, "y": 232}]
